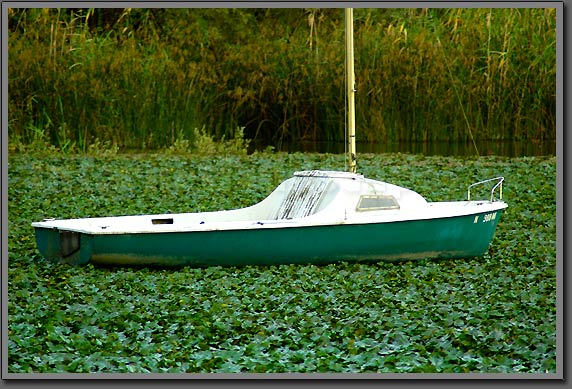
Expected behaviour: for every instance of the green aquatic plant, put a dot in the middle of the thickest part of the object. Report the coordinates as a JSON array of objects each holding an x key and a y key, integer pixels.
[{"x": 494, "y": 314}]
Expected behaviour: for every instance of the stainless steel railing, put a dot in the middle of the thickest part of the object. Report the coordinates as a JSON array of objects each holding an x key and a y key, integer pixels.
[{"x": 497, "y": 185}]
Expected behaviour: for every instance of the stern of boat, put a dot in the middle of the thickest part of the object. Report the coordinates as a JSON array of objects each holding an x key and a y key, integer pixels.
[{"x": 63, "y": 246}]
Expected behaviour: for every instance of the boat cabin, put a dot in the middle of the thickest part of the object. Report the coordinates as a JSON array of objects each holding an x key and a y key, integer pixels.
[{"x": 339, "y": 193}]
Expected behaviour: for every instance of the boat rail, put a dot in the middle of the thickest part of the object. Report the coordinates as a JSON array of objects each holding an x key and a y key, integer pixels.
[{"x": 497, "y": 185}]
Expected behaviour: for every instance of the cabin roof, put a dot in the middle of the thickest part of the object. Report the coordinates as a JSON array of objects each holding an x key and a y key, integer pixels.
[{"x": 327, "y": 174}]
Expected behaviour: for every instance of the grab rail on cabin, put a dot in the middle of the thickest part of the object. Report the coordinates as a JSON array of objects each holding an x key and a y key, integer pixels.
[{"x": 497, "y": 185}]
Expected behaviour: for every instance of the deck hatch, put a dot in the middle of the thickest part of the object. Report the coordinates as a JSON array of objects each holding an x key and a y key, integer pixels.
[
  {"x": 376, "y": 202},
  {"x": 162, "y": 221}
]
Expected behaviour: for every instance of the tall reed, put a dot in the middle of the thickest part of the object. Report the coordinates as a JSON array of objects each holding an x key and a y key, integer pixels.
[{"x": 145, "y": 78}]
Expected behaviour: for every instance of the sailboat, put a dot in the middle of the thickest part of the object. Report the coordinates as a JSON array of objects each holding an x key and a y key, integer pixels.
[{"x": 314, "y": 217}]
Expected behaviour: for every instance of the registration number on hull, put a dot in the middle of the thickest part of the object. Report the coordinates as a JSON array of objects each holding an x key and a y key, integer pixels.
[{"x": 486, "y": 218}]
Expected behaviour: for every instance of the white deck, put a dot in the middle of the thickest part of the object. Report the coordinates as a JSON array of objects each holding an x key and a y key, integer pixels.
[{"x": 310, "y": 198}]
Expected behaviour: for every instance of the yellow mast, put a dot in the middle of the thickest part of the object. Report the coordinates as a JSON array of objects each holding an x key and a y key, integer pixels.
[{"x": 351, "y": 90}]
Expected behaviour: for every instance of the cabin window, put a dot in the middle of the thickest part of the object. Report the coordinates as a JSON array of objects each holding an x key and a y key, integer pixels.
[{"x": 377, "y": 202}]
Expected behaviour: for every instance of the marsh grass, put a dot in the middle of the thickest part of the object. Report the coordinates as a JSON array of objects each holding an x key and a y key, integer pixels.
[{"x": 145, "y": 78}]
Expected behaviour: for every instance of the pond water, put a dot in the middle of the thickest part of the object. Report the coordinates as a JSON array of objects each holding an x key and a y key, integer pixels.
[{"x": 499, "y": 148}]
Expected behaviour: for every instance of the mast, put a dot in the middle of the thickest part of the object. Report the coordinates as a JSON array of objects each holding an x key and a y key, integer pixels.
[{"x": 351, "y": 90}]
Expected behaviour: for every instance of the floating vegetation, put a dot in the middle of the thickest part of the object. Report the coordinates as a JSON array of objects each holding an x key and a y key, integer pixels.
[{"x": 494, "y": 314}]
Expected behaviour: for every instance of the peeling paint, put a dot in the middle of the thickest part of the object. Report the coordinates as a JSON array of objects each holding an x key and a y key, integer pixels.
[{"x": 303, "y": 198}]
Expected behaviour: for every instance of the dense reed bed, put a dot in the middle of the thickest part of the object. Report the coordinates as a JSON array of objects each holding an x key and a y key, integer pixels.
[{"x": 147, "y": 78}]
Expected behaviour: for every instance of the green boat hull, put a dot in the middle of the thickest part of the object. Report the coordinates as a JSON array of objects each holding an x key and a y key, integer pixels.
[{"x": 452, "y": 237}]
